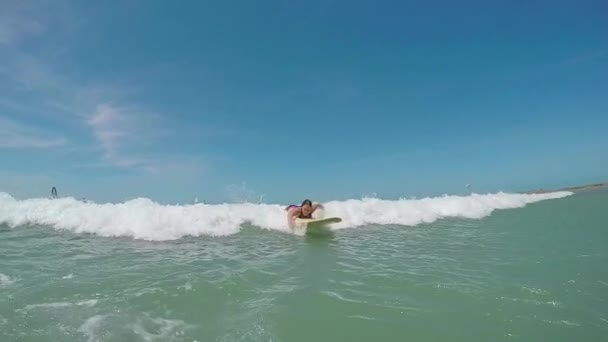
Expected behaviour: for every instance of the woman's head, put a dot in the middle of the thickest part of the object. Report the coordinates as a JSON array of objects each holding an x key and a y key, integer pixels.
[{"x": 306, "y": 207}]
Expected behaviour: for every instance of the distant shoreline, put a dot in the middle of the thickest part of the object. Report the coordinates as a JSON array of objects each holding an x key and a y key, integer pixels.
[{"x": 595, "y": 186}]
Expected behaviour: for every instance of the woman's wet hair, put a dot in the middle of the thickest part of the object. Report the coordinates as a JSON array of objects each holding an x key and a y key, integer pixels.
[{"x": 306, "y": 201}]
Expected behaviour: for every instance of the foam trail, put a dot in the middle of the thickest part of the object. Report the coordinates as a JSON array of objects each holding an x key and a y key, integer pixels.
[{"x": 144, "y": 219}]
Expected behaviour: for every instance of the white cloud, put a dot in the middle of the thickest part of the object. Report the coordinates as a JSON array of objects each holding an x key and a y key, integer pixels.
[
  {"x": 16, "y": 23},
  {"x": 12, "y": 31},
  {"x": 120, "y": 133},
  {"x": 109, "y": 127},
  {"x": 14, "y": 134},
  {"x": 123, "y": 131}
]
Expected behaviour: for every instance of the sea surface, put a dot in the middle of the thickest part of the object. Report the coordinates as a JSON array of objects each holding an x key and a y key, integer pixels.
[{"x": 495, "y": 267}]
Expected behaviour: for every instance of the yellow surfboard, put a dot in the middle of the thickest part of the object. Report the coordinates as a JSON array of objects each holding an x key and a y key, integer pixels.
[{"x": 313, "y": 223}]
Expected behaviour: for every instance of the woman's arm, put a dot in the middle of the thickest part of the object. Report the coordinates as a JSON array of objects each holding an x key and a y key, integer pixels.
[{"x": 291, "y": 217}]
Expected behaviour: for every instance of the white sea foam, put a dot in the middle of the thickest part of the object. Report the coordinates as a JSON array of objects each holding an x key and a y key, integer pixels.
[
  {"x": 563, "y": 322},
  {"x": 144, "y": 219},
  {"x": 91, "y": 326},
  {"x": 164, "y": 330},
  {"x": 60, "y": 305},
  {"x": 6, "y": 280}
]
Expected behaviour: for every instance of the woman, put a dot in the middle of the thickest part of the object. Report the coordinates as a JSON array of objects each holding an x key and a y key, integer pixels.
[{"x": 304, "y": 211}]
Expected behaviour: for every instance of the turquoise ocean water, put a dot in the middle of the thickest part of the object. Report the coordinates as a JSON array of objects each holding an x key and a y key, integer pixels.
[{"x": 465, "y": 269}]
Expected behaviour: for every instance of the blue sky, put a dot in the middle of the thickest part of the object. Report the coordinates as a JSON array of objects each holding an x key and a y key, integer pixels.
[{"x": 284, "y": 100}]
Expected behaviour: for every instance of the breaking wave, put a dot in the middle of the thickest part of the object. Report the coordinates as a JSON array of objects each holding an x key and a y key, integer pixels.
[{"x": 143, "y": 218}]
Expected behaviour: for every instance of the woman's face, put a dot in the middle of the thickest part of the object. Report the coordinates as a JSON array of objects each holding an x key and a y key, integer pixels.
[{"x": 306, "y": 209}]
